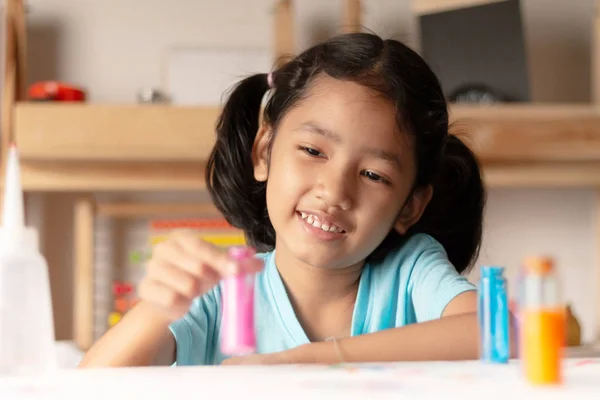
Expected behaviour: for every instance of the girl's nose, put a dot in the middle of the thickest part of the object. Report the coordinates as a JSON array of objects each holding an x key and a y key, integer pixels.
[{"x": 336, "y": 190}]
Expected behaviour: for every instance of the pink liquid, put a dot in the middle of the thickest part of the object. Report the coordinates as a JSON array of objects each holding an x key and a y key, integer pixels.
[{"x": 237, "y": 334}]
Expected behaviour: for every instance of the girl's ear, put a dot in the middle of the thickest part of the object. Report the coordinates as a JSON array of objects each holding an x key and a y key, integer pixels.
[
  {"x": 260, "y": 153},
  {"x": 413, "y": 209}
]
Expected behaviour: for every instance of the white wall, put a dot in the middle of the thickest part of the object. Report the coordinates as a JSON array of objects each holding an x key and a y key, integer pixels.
[
  {"x": 559, "y": 223},
  {"x": 116, "y": 47}
]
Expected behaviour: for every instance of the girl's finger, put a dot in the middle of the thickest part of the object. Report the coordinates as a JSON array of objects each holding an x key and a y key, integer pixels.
[
  {"x": 179, "y": 280},
  {"x": 172, "y": 252},
  {"x": 208, "y": 254},
  {"x": 159, "y": 295}
]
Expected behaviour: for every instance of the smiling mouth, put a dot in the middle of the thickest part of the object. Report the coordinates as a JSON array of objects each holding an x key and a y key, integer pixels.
[{"x": 316, "y": 222}]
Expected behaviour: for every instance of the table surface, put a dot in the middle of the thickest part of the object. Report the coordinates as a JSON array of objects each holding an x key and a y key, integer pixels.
[{"x": 465, "y": 380}]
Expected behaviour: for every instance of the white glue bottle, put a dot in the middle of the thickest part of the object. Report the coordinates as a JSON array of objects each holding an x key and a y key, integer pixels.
[{"x": 26, "y": 321}]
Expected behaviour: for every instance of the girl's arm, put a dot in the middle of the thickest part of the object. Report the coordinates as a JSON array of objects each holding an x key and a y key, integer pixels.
[
  {"x": 136, "y": 340},
  {"x": 455, "y": 336},
  {"x": 447, "y": 339}
]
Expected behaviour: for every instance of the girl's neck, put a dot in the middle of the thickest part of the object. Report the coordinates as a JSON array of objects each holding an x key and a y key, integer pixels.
[{"x": 323, "y": 300}]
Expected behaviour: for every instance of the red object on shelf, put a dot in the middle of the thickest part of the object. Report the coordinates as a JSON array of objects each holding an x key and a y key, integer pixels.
[
  {"x": 121, "y": 288},
  {"x": 55, "y": 91}
]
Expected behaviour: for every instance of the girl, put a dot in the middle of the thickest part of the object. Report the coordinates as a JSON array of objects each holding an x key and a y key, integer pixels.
[{"x": 366, "y": 211}]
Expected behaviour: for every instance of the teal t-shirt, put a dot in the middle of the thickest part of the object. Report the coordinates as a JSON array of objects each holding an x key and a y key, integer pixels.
[{"x": 412, "y": 284}]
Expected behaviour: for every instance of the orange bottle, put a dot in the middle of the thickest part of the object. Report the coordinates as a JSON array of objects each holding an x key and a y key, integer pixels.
[{"x": 543, "y": 323}]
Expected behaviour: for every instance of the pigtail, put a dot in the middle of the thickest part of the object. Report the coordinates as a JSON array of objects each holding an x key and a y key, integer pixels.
[
  {"x": 230, "y": 172},
  {"x": 455, "y": 213}
]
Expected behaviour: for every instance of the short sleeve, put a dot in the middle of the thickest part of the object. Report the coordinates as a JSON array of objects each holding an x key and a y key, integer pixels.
[
  {"x": 196, "y": 333},
  {"x": 434, "y": 282}
]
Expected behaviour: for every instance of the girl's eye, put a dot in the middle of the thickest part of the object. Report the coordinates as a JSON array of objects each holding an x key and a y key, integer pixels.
[
  {"x": 312, "y": 152},
  {"x": 372, "y": 176}
]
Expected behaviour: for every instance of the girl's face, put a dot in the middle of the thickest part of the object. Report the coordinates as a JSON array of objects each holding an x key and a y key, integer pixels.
[{"x": 340, "y": 173}]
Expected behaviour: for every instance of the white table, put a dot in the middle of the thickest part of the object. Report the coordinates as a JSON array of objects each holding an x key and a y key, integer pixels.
[
  {"x": 68, "y": 354},
  {"x": 461, "y": 380}
]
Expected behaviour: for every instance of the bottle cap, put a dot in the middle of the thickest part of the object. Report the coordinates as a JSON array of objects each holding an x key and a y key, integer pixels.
[
  {"x": 492, "y": 271},
  {"x": 12, "y": 210},
  {"x": 241, "y": 252},
  {"x": 14, "y": 234},
  {"x": 539, "y": 265}
]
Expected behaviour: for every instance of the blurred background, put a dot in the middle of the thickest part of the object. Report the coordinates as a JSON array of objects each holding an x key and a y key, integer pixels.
[{"x": 112, "y": 103}]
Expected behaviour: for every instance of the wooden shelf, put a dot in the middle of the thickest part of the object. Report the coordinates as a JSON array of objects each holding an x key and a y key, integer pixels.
[
  {"x": 530, "y": 133},
  {"x": 130, "y": 133},
  {"x": 424, "y": 7},
  {"x": 81, "y": 176},
  {"x": 66, "y": 147},
  {"x": 98, "y": 132},
  {"x": 542, "y": 175}
]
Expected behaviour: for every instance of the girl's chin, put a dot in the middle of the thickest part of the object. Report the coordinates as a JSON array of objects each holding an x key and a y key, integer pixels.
[{"x": 319, "y": 258}]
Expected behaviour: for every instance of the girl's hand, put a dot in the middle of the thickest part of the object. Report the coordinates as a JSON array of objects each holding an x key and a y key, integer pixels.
[
  {"x": 303, "y": 354},
  {"x": 184, "y": 267},
  {"x": 283, "y": 357}
]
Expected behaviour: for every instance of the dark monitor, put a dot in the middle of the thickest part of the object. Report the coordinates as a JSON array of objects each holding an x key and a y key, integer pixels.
[{"x": 481, "y": 47}]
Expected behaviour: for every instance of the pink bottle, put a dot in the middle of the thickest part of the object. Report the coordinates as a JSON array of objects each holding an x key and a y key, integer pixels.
[{"x": 237, "y": 334}]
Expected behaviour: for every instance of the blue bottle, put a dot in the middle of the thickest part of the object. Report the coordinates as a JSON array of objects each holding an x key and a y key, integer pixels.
[{"x": 494, "y": 315}]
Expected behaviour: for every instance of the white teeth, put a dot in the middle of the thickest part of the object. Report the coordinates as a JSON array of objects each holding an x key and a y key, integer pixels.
[{"x": 314, "y": 221}]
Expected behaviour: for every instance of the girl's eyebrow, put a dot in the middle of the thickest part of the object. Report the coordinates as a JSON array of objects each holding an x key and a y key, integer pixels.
[
  {"x": 385, "y": 155},
  {"x": 315, "y": 128}
]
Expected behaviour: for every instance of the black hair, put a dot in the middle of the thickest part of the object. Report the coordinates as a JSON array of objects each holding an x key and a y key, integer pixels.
[{"x": 455, "y": 213}]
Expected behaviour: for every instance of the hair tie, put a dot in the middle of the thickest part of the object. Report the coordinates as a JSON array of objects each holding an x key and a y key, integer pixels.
[{"x": 270, "y": 80}]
